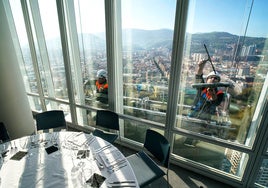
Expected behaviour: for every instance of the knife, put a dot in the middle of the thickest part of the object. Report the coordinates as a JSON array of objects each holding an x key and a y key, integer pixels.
[
  {"x": 102, "y": 148},
  {"x": 118, "y": 186},
  {"x": 126, "y": 181}
]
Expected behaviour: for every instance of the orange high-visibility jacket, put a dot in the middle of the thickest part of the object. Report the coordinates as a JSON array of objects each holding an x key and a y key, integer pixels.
[{"x": 101, "y": 86}]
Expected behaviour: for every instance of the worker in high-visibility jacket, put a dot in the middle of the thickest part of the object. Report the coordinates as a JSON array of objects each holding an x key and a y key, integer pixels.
[
  {"x": 102, "y": 86},
  {"x": 207, "y": 99}
]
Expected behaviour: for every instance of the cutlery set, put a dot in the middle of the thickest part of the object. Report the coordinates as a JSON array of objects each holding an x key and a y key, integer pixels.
[{"x": 116, "y": 166}]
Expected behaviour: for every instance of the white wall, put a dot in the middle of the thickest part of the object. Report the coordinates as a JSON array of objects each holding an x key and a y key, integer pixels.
[{"x": 15, "y": 111}]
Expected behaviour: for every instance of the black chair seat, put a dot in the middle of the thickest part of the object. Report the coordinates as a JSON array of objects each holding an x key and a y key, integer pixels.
[
  {"x": 140, "y": 163},
  {"x": 109, "y": 137},
  {"x": 144, "y": 167}
]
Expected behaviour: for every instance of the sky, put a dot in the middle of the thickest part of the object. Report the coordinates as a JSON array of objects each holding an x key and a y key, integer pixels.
[
  {"x": 148, "y": 14},
  {"x": 233, "y": 16},
  {"x": 204, "y": 15}
]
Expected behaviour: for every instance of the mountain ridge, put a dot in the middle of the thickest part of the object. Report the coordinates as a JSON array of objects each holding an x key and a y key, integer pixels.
[{"x": 138, "y": 39}]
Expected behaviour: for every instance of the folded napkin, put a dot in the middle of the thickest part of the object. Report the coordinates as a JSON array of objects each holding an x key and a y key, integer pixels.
[
  {"x": 51, "y": 149},
  {"x": 96, "y": 180},
  {"x": 19, "y": 155},
  {"x": 83, "y": 154}
]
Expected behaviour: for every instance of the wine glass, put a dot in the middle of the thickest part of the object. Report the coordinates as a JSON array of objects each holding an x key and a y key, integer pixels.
[
  {"x": 86, "y": 179},
  {"x": 2, "y": 150},
  {"x": 76, "y": 170},
  {"x": 23, "y": 143}
]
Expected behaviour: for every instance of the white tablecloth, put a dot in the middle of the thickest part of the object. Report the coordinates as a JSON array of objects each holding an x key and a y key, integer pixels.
[{"x": 63, "y": 168}]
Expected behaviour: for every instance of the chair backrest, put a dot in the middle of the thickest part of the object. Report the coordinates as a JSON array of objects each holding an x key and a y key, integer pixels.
[
  {"x": 4, "y": 136},
  {"x": 50, "y": 119},
  {"x": 107, "y": 119},
  {"x": 157, "y": 145}
]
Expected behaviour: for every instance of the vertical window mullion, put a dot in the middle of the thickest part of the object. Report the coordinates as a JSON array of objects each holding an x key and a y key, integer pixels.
[
  {"x": 75, "y": 59},
  {"x": 40, "y": 37},
  {"x": 176, "y": 63},
  {"x": 33, "y": 50},
  {"x": 66, "y": 57},
  {"x": 114, "y": 53}
]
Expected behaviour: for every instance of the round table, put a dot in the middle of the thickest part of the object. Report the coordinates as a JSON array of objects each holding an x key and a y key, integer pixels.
[{"x": 63, "y": 159}]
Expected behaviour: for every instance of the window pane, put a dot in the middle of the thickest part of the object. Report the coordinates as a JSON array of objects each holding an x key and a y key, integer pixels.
[
  {"x": 262, "y": 177},
  {"x": 232, "y": 110},
  {"x": 53, "y": 105},
  {"x": 51, "y": 64},
  {"x": 135, "y": 130},
  {"x": 211, "y": 155},
  {"x": 90, "y": 22},
  {"x": 35, "y": 103},
  {"x": 86, "y": 117},
  {"x": 23, "y": 49},
  {"x": 147, "y": 32}
]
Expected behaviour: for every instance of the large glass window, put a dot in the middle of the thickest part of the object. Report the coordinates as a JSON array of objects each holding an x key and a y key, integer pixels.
[
  {"x": 24, "y": 52},
  {"x": 90, "y": 27},
  {"x": 238, "y": 56},
  {"x": 88, "y": 57},
  {"x": 51, "y": 64},
  {"x": 147, "y": 33},
  {"x": 224, "y": 78},
  {"x": 41, "y": 49}
]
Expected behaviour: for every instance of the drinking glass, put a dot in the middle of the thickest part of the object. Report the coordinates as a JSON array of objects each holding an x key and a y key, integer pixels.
[
  {"x": 24, "y": 143},
  {"x": 2, "y": 150},
  {"x": 85, "y": 178}
]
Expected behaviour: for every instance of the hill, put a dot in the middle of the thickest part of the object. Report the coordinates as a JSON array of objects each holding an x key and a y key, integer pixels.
[{"x": 137, "y": 39}]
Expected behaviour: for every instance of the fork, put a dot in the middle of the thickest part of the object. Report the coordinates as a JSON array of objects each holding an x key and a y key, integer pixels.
[
  {"x": 116, "y": 168},
  {"x": 102, "y": 148}
]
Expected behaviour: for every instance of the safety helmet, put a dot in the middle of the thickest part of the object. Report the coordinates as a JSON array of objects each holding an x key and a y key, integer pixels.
[
  {"x": 101, "y": 73},
  {"x": 214, "y": 74}
]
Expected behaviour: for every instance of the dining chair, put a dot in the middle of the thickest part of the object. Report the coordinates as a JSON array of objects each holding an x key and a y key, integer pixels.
[
  {"x": 148, "y": 169},
  {"x": 105, "y": 121},
  {"x": 4, "y": 135},
  {"x": 53, "y": 119}
]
